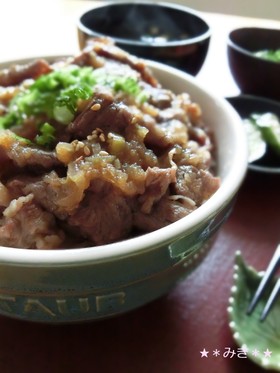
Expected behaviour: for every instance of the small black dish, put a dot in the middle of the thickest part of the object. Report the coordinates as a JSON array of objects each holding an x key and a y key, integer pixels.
[
  {"x": 164, "y": 32},
  {"x": 254, "y": 75},
  {"x": 245, "y": 105}
]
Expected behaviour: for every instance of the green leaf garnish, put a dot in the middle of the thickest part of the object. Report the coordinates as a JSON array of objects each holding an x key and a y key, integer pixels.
[{"x": 249, "y": 332}]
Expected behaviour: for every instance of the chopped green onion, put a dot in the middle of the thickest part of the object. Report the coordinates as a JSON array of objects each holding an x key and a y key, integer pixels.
[
  {"x": 22, "y": 139},
  {"x": 128, "y": 85},
  {"x": 60, "y": 88},
  {"x": 46, "y": 136},
  {"x": 55, "y": 95},
  {"x": 63, "y": 114}
]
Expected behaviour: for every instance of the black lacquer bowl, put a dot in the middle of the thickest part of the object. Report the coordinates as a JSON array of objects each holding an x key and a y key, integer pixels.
[
  {"x": 172, "y": 34},
  {"x": 254, "y": 75}
]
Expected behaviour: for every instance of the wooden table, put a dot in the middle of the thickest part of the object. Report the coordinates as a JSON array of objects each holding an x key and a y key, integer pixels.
[{"x": 167, "y": 335}]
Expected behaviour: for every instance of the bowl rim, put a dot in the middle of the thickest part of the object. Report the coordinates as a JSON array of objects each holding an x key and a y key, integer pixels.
[
  {"x": 204, "y": 36},
  {"x": 232, "y": 44},
  {"x": 145, "y": 242}
]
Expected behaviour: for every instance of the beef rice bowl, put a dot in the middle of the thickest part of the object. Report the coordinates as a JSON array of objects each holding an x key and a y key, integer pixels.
[{"x": 94, "y": 150}]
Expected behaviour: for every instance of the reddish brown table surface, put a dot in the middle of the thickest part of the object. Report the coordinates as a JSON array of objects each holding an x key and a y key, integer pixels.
[{"x": 168, "y": 334}]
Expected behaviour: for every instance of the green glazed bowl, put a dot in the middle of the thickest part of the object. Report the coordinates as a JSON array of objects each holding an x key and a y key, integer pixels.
[{"x": 74, "y": 285}]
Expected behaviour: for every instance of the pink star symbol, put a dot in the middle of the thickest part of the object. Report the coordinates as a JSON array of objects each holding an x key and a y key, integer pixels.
[
  {"x": 255, "y": 352},
  {"x": 267, "y": 353},
  {"x": 204, "y": 353}
]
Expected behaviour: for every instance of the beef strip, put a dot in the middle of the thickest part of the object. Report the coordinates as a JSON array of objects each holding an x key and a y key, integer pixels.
[
  {"x": 22, "y": 154},
  {"x": 165, "y": 212},
  {"x": 156, "y": 185},
  {"x": 16, "y": 74},
  {"x": 103, "y": 217},
  {"x": 191, "y": 189},
  {"x": 159, "y": 97},
  {"x": 104, "y": 214},
  {"x": 104, "y": 113},
  {"x": 26, "y": 225},
  {"x": 195, "y": 184},
  {"x": 105, "y": 47}
]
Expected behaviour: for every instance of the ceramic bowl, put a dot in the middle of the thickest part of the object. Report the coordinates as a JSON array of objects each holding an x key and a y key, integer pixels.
[
  {"x": 252, "y": 74},
  {"x": 168, "y": 33},
  {"x": 74, "y": 285},
  {"x": 246, "y": 105}
]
